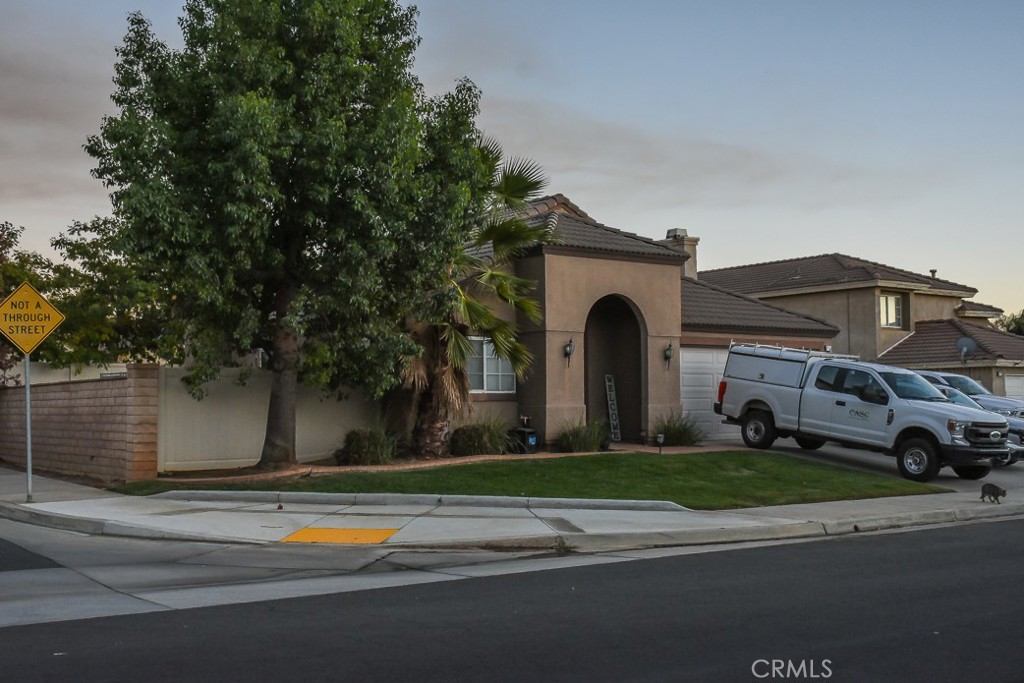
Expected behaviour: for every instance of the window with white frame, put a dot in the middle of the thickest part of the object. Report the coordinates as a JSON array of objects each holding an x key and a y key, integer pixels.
[
  {"x": 891, "y": 310},
  {"x": 488, "y": 373}
]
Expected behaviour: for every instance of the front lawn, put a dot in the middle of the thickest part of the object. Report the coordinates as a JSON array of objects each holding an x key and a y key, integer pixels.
[{"x": 702, "y": 481}]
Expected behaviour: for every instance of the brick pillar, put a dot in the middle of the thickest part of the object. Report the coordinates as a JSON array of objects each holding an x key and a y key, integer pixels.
[{"x": 143, "y": 405}]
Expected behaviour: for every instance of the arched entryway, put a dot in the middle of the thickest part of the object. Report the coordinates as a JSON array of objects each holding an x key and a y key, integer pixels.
[{"x": 614, "y": 343}]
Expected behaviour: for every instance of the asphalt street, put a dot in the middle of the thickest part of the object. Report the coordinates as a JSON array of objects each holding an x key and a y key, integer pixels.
[{"x": 931, "y": 605}]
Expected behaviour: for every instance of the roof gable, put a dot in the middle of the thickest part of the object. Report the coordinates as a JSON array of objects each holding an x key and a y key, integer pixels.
[
  {"x": 821, "y": 272},
  {"x": 574, "y": 230}
]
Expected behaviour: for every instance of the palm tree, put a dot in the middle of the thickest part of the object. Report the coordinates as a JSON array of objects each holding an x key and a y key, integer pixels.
[{"x": 479, "y": 276}]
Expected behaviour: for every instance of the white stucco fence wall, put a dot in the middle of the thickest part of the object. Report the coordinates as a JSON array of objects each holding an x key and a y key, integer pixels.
[{"x": 226, "y": 429}]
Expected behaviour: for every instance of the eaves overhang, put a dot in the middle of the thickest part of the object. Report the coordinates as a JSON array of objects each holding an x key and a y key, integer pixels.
[
  {"x": 889, "y": 285},
  {"x": 668, "y": 258},
  {"x": 778, "y": 331}
]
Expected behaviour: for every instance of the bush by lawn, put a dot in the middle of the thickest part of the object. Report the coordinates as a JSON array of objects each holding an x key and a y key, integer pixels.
[{"x": 702, "y": 481}]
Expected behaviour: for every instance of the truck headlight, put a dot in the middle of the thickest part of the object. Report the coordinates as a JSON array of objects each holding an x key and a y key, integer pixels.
[{"x": 956, "y": 428}]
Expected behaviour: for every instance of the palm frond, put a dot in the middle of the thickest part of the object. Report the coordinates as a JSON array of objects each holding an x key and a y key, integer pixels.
[
  {"x": 476, "y": 315},
  {"x": 509, "y": 236},
  {"x": 520, "y": 181},
  {"x": 491, "y": 154},
  {"x": 506, "y": 345}
]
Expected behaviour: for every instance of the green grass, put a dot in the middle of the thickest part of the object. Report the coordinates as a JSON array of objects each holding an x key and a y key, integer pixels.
[{"x": 702, "y": 481}]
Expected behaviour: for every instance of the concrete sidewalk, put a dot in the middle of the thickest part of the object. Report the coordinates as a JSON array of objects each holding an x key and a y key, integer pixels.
[{"x": 451, "y": 522}]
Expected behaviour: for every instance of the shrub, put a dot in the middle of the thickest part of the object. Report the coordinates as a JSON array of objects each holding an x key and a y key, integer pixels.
[
  {"x": 373, "y": 446},
  {"x": 486, "y": 437},
  {"x": 583, "y": 437},
  {"x": 679, "y": 430}
]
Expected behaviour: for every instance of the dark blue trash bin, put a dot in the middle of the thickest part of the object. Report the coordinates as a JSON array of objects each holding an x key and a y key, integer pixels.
[{"x": 524, "y": 440}]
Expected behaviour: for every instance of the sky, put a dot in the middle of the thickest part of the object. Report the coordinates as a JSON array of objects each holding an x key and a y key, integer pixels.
[{"x": 889, "y": 130}]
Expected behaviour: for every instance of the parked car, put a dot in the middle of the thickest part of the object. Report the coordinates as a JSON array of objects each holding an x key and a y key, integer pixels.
[
  {"x": 1015, "y": 437},
  {"x": 1008, "y": 407}
]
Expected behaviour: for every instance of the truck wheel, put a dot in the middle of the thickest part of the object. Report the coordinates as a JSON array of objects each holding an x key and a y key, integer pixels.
[
  {"x": 972, "y": 471},
  {"x": 809, "y": 443},
  {"x": 758, "y": 429},
  {"x": 918, "y": 460}
]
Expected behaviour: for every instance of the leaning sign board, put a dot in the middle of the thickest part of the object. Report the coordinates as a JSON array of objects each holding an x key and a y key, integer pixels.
[{"x": 26, "y": 318}]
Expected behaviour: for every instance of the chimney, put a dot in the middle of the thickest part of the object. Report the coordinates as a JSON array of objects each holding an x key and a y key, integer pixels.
[
  {"x": 680, "y": 240},
  {"x": 933, "y": 271}
]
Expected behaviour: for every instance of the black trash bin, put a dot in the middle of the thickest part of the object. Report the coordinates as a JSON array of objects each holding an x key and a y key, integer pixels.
[{"x": 523, "y": 440}]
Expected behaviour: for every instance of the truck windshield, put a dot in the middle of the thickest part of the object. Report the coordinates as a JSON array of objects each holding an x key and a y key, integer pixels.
[
  {"x": 911, "y": 385},
  {"x": 966, "y": 385}
]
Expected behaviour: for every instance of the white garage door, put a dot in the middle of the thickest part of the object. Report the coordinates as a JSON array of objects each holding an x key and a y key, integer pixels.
[
  {"x": 700, "y": 371},
  {"x": 1015, "y": 386}
]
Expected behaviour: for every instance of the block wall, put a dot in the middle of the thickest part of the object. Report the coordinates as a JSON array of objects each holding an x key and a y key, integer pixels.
[{"x": 103, "y": 429}]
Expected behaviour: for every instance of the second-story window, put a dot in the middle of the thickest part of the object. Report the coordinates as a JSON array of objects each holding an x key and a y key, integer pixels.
[{"x": 892, "y": 310}]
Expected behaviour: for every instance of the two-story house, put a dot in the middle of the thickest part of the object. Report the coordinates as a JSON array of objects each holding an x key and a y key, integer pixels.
[{"x": 889, "y": 314}]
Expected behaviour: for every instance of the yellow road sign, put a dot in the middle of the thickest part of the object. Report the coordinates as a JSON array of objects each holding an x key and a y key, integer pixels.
[{"x": 26, "y": 318}]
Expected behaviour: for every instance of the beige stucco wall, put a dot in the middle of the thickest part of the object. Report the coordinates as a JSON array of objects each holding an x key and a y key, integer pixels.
[
  {"x": 931, "y": 307},
  {"x": 569, "y": 286},
  {"x": 854, "y": 311},
  {"x": 482, "y": 410}
]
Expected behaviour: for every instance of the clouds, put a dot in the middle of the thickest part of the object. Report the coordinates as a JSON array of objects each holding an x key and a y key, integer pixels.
[
  {"x": 889, "y": 131},
  {"x": 611, "y": 161},
  {"x": 56, "y": 83}
]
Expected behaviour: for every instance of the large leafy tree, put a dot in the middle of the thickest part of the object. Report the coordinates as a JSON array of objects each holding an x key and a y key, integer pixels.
[
  {"x": 286, "y": 186},
  {"x": 480, "y": 284}
]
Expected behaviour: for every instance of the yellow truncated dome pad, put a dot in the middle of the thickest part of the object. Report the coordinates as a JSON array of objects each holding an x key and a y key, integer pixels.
[{"x": 339, "y": 536}]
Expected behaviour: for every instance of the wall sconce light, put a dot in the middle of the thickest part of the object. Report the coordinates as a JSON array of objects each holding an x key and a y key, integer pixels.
[
  {"x": 668, "y": 355},
  {"x": 568, "y": 350}
]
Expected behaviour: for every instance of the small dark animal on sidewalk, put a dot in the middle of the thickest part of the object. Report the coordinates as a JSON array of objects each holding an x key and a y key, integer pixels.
[{"x": 992, "y": 492}]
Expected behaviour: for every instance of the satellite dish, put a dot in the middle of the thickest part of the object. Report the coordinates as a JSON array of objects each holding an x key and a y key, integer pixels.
[{"x": 966, "y": 346}]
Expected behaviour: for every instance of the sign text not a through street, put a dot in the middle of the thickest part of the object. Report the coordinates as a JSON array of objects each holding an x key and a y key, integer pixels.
[{"x": 27, "y": 318}]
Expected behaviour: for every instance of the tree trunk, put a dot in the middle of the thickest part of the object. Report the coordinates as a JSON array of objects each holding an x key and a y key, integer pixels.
[
  {"x": 431, "y": 435},
  {"x": 279, "y": 442}
]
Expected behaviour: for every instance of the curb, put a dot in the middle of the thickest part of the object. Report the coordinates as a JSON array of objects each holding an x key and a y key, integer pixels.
[
  {"x": 104, "y": 527},
  {"x": 554, "y": 542},
  {"x": 423, "y": 499}
]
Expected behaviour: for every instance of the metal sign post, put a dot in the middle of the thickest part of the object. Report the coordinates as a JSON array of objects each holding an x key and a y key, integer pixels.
[
  {"x": 26, "y": 319},
  {"x": 28, "y": 431}
]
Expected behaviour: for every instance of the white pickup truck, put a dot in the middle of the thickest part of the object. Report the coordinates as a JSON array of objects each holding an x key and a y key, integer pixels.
[{"x": 814, "y": 397}]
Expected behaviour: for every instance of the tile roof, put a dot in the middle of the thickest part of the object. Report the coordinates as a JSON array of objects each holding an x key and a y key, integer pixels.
[
  {"x": 973, "y": 309},
  {"x": 573, "y": 229},
  {"x": 817, "y": 272},
  {"x": 938, "y": 341},
  {"x": 588, "y": 235},
  {"x": 709, "y": 308},
  {"x": 555, "y": 202}
]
